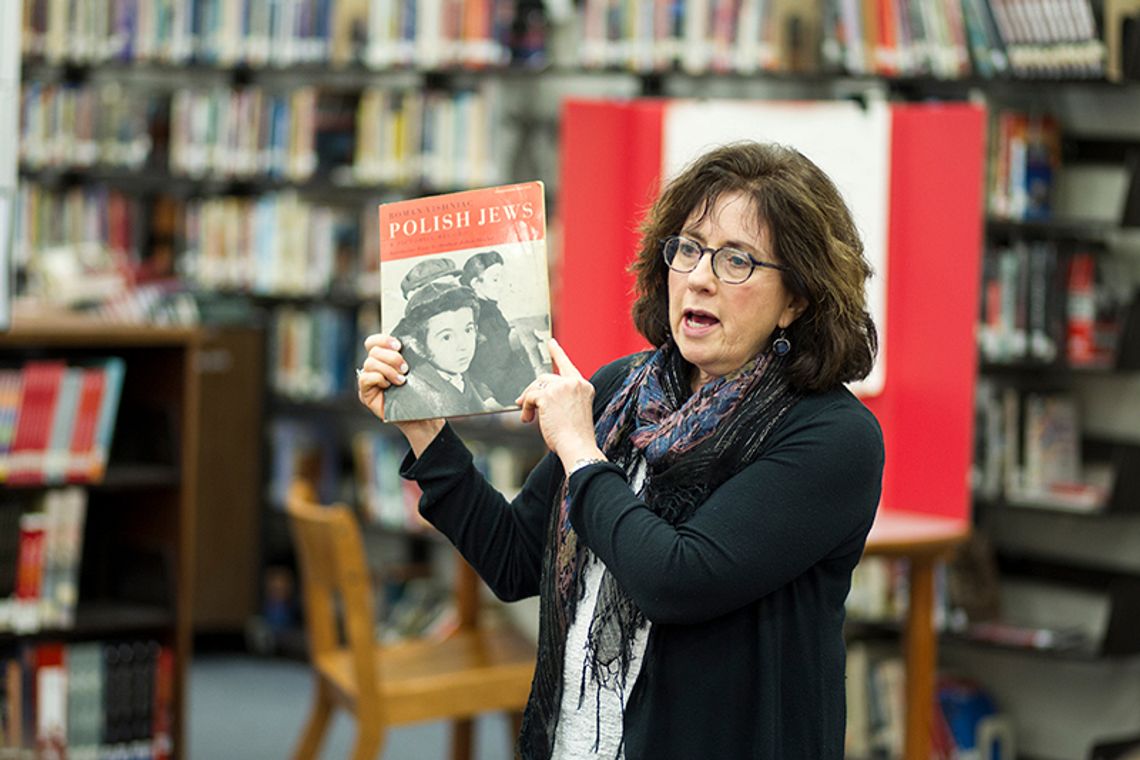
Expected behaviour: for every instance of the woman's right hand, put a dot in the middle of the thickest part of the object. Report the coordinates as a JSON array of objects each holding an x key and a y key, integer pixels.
[{"x": 384, "y": 367}]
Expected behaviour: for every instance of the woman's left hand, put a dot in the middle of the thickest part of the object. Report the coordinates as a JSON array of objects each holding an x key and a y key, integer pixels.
[{"x": 563, "y": 405}]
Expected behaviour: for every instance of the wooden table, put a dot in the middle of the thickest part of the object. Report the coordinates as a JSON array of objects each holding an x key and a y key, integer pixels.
[{"x": 923, "y": 540}]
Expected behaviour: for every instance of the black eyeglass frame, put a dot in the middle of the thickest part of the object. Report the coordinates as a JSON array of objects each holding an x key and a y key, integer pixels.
[{"x": 713, "y": 253}]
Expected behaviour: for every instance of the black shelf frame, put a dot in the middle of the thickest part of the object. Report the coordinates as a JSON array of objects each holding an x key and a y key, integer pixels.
[{"x": 1123, "y": 499}]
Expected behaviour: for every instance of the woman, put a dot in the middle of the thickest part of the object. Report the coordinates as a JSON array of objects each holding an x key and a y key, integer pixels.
[
  {"x": 500, "y": 360},
  {"x": 439, "y": 327},
  {"x": 693, "y": 531}
]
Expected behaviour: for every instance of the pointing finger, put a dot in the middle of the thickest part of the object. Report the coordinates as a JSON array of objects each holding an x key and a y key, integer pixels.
[{"x": 562, "y": 363}]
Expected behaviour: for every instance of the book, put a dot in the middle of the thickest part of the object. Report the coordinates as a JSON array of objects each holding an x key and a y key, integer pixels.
[
  {"x": 84, "y": 699},
  {"x": 51, "y": 701},
  {"x": 11, "y": 381},
  {"x": 29, "y": 572},
  {"x": 32, "y": 434},
  {"x": 465, "y": 288},
  {"x": 163, "y": 707},
  {"x": 114, "y": 368},
  {"x": 54, "y": 469}
]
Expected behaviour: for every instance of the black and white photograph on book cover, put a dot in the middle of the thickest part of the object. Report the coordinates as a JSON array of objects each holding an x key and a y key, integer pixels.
[
  {"x": 474, "y": 326},
  {"x": 465, "y": 289}
]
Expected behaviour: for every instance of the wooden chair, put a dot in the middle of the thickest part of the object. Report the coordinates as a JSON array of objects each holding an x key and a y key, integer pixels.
[{"x": 471, "y": 671}]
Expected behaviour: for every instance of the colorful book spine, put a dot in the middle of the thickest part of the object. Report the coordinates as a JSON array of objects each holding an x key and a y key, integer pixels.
[
  {"x": 115, "y": 370},
  {"x": 29, "y": 572},
  {"x": 32, "y": 436}
]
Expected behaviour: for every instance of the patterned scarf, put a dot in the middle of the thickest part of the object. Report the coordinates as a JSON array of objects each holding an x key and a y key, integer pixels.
[{"x": 691, "y": 444}]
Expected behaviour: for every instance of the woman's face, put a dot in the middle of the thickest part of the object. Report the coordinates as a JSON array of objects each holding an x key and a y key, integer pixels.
[
  {"x": 450, "y": 339},
  {"x": 720, "y": 327},
  {"x": 489, "y": 285}
]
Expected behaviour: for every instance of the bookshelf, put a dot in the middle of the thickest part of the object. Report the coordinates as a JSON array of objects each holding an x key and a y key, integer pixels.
[
  {"x": 298, "y": 124},
  {"x": 1052, "y": 483},
  {"x": 135, "y": 578}
]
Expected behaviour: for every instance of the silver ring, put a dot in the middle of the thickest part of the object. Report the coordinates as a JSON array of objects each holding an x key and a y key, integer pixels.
[{"x": 359, "y": 372}]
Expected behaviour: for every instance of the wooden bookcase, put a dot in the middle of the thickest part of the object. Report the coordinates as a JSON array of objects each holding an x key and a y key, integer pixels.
[{"x": 136, "y": 577}]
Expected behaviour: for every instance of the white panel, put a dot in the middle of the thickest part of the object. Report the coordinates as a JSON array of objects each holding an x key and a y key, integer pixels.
[
  {"x": 850, "y": 142},
  {"x": 9, "y": 40},
  {"x": 7, "y": 203},
  {"x": 9, "y": 128},
  {"x": 1094, "y": 192}
]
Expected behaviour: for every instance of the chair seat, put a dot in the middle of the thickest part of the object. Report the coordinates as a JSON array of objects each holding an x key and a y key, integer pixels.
[
  {"x": 477, "y": 669},
  {"x": 469, "y": 672}
]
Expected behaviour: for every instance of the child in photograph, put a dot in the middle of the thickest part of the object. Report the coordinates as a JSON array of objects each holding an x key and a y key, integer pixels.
[
  {"x": 501, "y": 358},
  {"x": 439, "y": 329}
]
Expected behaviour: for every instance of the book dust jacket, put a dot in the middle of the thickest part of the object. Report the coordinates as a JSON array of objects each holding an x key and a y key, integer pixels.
[{"x": 465, "y": 288}]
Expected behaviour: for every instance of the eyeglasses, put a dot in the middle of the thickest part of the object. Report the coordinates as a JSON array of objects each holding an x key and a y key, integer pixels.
[{"x": 730, "y": 265}]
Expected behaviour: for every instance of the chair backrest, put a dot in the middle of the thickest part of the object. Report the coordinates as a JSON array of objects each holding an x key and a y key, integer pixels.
[{"x": 335, "y": 582}]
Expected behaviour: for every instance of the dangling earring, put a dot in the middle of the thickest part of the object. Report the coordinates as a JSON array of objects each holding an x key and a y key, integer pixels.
[{"x": 781, "y": 345}]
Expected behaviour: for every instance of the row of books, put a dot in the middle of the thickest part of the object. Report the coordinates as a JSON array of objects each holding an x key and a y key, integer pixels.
[
  {"x": 166, "y": 303},
  {"x": 900, "y": 37},
  {"x": 965, "y": 720},
  {"x": 56, "y": 420},
  {"x": 386, "y": 135},
  {"x": 88, "y": 700},
  {"x": 439, "y": 33},
  {"x": 385, "y": 498},
  {"x": 273, "y": 244},
  {"x": 1043, "y": 303},
  {"x": 311, "y": 352},
  {"x": 887, "y": 37},
  {"x": 876, "y": 702},
  {"x": 82, "y": 219},
  {"x": 1023, "y": 163},
  {"x": 243, "y": 132},
  {"x": 381, "y": 33},
  {"x": 1028, "y": 451},
  {"x": 879, "y": 590},
  {"x": 40, "y": 551},
  {"x": 441, "y": 139},
  {"x": 83, "y": 125},
  {"x": 884, "y": 37},
  {"x": 85, "y": 245},
  {"x": 417, "y": 608},
  {"x": 1045, "y": 38},
  {"x": 388, "y": 500}
]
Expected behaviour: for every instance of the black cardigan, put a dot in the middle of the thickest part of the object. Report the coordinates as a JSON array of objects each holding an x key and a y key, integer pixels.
[{"x": 746, "y": 656}]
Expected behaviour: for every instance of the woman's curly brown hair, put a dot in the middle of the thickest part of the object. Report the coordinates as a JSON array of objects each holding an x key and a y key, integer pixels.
[{"x": 812, "y": 232}]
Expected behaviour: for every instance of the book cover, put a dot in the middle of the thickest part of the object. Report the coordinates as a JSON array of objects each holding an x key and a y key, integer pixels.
[
  {"x": 92, "y": 385},
  {"x": 465, "y": 288},
  {"x": 29, "y": 572},
  {"x": 11, "y": 382},
  {"x": 62, "y": 423},
  {"x": 42, "y": 380},
  {"x": 114, "y": 369},
  {"x": 51, "y": 701},
  {"x": 163, "y": 707},
  {"x": 84, "y": 699}
]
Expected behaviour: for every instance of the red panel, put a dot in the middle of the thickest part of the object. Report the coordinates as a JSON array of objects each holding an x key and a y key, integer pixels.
[
  {"x": 934, "y": 244},
  {"x": 611, "y": 167},
  {"x": 611, "y": 156}
]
